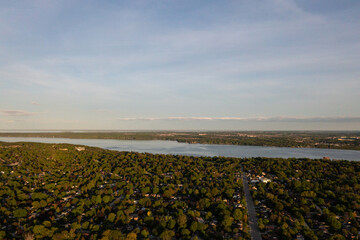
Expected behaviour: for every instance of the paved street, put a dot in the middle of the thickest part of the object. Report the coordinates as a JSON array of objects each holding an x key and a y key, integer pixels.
[{"x": 253, "y": 223}]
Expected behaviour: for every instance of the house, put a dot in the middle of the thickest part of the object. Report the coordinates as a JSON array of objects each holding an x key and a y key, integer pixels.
[
  {"x": 270, "y": 227},
  {"x": 300, "y": 237},
  {"x": 80, "y": 149},
  {"x": 264, "y": 179},
  {"x": 213, "y": 222},
  {"x": 200, "y": 219},
  {"x": 253, "y": 181}
]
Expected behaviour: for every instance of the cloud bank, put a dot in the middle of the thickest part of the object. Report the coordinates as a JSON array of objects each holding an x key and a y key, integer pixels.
[
  {"x": 255, "y": 119},
  {"x": 16, "y": 113}
]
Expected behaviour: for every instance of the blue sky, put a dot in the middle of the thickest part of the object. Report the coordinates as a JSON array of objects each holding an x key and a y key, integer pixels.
[{"x": 180, "y": 65}]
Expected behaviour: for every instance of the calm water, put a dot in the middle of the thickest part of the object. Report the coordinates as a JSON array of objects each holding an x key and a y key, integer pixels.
[{"x": 172, "y": 147}]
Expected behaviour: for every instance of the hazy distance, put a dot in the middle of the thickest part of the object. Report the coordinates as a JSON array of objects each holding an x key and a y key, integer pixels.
[{"x": 180, "y": 65}]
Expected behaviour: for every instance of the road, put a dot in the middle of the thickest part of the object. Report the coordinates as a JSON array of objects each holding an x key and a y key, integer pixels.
[{"x": 253, "y": 223}]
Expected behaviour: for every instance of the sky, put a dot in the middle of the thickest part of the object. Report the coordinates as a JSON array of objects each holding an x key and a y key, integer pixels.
[{"x": 180, "y": 65}]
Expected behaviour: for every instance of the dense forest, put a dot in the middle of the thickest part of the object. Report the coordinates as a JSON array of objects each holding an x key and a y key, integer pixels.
[
  {"x": 72, "y": 192},
  {"x": 64, "y": 191},
  {"x": 318, "y": 199},
  {"x": 304, "y": 139}
]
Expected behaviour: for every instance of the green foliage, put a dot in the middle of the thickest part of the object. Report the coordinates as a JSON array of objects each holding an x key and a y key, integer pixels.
[
  {"x": 167, "y": 235},
  {"x": 237, "y": 214},
  {"x": 40, "y": 231},
  {"x": 39, "y": 196},
  {"x": 111, "y": 217},
  {"x": 131, "y": 236},
  {"x": 304, "y": 192},
  {"x": 185, "y": 232},
  {"x": 227, "y": 222},
  {"x": 20, "y": 213},
  {"x": 181, "y": 220},
  {"x": 93, "y": 194},
  {"x": 98, "y": 199},
  {"x": 193, "y": 226},
  {"x": 106, "y": 199},
  {"x": 144, "y": 233}
]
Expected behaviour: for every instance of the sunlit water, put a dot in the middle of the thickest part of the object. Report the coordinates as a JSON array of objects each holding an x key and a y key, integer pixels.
[{"x": 173, "y": 147}]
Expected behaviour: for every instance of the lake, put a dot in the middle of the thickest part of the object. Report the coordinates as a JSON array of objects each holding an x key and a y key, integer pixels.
[{"x": 173, "y": 147}]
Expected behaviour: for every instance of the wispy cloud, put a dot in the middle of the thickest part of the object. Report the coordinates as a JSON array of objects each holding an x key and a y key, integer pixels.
[
  {"x": 106, "y": 111},
  {"x": 265, "y": 119},
  {"x": 7, "y": 121},
  {"x": 10, "y": 112},
  {"x": 26, "y": 75},
  {"x": 140, "y": 60}
]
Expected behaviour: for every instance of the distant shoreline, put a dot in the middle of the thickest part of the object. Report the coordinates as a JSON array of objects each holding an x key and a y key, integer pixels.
[{"x": 347, "y": 140}]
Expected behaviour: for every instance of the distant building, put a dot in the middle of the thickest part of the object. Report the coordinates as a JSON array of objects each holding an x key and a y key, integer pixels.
[
  {"x": 300, "y": 237},
  {"x": 264, "y": 179},
  {"x": 80, "y": 149}
]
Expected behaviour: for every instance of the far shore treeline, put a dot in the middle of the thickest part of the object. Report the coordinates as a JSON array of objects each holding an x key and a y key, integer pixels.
[{"x": 306, "y": 139}]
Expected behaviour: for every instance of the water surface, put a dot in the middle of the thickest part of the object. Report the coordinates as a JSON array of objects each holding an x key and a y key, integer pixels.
[{"x": 173, "y": 147}]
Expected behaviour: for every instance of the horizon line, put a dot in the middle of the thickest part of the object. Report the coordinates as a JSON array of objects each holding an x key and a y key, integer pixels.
[{"x": 170, "y": 130}]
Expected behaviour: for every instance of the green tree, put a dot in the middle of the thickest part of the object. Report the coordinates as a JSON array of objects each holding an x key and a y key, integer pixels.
[
  {"x": 106, "y": 198},
  {"x": 145, "y": 233},
  {"x": 227, "y": 222},
  {"x": 111, "y": 217},
  {"x": 40, "y": 231},
  {"x": 185, "y": 232},
  {"x": 193, "y": 226},
  {"x": 20, "y": 213},
  {"x": 181, "y": 220},
  {"x": 98, "y": 199},
  {"x": 167, "y": 234},
  {"x": 131, "y": 236},
  {"x": 237, "y": 214},
  {"x": 171, "y": 224}
]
